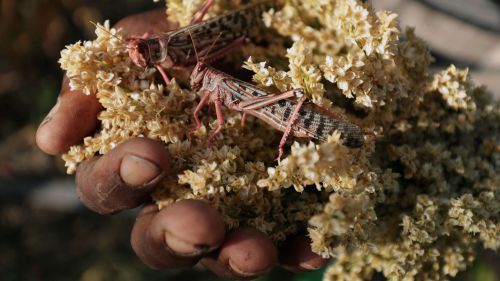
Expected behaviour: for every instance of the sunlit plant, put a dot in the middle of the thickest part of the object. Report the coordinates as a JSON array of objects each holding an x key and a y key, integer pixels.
[{"x": 412, "y": 203}]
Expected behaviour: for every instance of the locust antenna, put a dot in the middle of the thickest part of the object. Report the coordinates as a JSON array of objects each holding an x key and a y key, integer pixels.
[
  {"x": 194, "y": 46},
  {"x": 107, "y": 31},
  {"x": 213, "y": 45}
]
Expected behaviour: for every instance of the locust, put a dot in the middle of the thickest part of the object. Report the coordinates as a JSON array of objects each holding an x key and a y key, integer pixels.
[
  {"x": 277, "y": 110},
  {"x": 174, "y": 49}
]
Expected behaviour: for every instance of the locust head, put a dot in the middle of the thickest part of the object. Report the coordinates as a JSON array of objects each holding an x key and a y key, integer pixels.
[
  {"x": 146, "y": 52},
  {"x": 136, "y": 50},
  {"x": 198, "y": 75}
]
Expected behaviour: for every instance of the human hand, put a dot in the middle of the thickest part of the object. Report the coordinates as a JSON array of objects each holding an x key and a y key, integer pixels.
[{"x": 180, "y": 235}]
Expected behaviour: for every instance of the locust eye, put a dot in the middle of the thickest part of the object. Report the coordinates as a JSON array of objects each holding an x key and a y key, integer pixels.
[{"x": 201, "y": 67}]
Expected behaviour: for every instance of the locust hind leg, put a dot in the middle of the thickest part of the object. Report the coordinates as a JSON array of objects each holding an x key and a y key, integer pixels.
[
  {"x": 198, "y": 18},
  {"x": 220, "y": 121},
  {"x": 244, "y": 114},
  {"x": 289, "y": 126},
  {"x": 263, "y": 101}
]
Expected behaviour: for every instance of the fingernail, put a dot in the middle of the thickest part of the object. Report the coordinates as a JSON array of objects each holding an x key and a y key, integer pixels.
[
  {"x": 137, "y": 171},
  {"x": 245, "y": 274},
  {"x": 182, "y": 248},
  {"x": 310, "y": 267}
]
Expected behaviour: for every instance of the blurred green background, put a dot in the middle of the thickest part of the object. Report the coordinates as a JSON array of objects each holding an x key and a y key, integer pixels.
[{"x": 45, "y": 234}]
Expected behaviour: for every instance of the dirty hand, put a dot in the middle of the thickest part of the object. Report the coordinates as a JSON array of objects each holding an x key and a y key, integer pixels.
[{"x": 180, "y": 235}]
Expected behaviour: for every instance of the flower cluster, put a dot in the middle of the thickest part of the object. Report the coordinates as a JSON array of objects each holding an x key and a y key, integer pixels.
[
  {"x": 303, "y": 73},
  {"x": 184, "y": 11},
  {"x": 412, "y": 203},
  {"x": 452, "y": 85},
  {"x": 370, "y": 39}
]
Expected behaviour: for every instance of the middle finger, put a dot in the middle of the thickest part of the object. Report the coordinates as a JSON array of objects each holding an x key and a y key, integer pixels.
[{"x": 178, "y": 235}]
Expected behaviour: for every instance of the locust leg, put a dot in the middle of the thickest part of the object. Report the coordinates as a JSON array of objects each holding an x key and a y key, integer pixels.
[
  {"x": 234, "y": 105},
  {"x": 289, "y": 126},
  {"x": 198, "y": 18},
  {"x": 163, "y": 74},
  {"x": 260, "y": 102},
  {"x": 243, "y": 119},
  {"x": 220, "y": 121},
  {"x": 199, "y": 107},
  {"x": 263, "y": 101}
]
